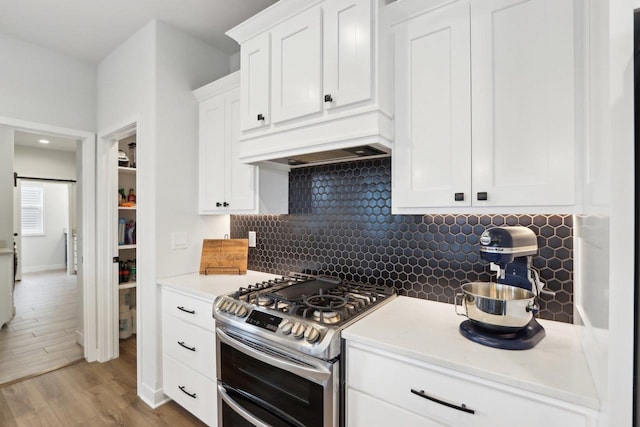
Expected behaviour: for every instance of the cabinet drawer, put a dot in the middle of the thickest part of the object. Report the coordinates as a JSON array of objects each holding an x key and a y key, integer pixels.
[
  {"x": 366, "y": 411},
  {"x": 188, "y": 308},
  {"x": 392, "y": 380},
  {"x": 190, "y": 345},
  {"x": 190, "y": 390}
]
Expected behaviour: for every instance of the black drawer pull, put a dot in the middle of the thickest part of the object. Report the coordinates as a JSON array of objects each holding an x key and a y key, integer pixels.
[
  {"x": 462, "y": 407},
  {"x": 182, "y": 389},
  {"x": 225, "y": 204},
  {"x": 458, "y": 197},
  {"x": 186, "y": 311},
  {"x": 328, "y": 98},
  {"x": 482, "y": 195},
  {"x": 182, "y": 344},
  {"x": 261, "y": 117}
]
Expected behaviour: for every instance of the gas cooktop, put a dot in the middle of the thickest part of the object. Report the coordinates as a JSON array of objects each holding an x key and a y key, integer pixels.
[{"x": 300, "y": 312}]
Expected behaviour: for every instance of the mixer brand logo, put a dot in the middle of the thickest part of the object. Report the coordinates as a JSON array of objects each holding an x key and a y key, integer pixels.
[{"x": 485, "y": 238}]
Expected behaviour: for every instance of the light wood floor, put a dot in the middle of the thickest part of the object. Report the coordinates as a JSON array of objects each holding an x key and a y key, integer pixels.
[
  {"x": 88, "y": 394},
  {"x": 41, "y": 336}
]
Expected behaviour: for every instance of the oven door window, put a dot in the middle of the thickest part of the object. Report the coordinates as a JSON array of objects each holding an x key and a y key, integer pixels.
[{"x": 265, "y": 391}]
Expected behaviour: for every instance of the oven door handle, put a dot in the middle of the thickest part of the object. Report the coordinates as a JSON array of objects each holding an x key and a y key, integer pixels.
[
  {"x": 239, "y": 409},
  {"x": 256, "y": 401},
  {"x": 316, "y": 373}
]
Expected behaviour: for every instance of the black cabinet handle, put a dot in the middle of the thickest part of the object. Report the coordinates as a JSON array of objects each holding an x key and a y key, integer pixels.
[
  {"x": 328, "y": 98},
  {"x": 225, "y": 204},
  {"x": 458, "y": 197},
  {"x": 261, "y": 117},
  {"x": 183, "y": 389},
  {"x": 185, "y": 310},
  {"x": 482, "y": 195},
  {"x": 218, "y": 204},
  {"x": 182, "y": 344},
  {"x": 462, "y": 407}
]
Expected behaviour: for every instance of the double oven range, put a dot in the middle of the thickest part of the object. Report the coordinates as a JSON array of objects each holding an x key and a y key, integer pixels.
[{"x": 279, "y": 349}]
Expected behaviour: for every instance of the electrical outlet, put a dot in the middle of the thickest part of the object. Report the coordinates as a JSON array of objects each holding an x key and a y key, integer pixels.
[
  {"x": 179, "y": 240},
  {"x": 252, "y": 239}
]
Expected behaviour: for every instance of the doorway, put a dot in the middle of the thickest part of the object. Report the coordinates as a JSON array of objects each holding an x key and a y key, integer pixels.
[
  {"x": 84, "y": 209},
  {"x": 43, "y": 333}
]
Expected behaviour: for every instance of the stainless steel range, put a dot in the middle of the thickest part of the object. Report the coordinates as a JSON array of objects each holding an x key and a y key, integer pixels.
[{"x": 279, "y": 349}]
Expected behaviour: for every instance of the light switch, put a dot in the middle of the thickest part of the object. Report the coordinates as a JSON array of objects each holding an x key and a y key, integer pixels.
[
  {"x": 252, "y": 239},
  {"x": 179, "y": 240}
]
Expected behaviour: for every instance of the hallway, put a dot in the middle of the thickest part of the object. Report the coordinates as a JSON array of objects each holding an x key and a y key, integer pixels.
[{"x": 41, "y": 336}]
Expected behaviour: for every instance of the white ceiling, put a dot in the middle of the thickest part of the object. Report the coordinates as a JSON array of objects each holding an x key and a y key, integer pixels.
[
  {"x": 26, "y": 139},
  {"x": 90, "y": 29}
]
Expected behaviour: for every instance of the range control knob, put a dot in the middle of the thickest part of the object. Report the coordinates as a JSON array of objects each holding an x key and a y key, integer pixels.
[
  {"x": 241, "y": 311},
  {"x": 286, "y": 326},
  {"x": 232, "y": 308},
  {"x": 311, "y": 334},
  {"x": 298, "y": 330},
  {"x": 224, "y": 305}
]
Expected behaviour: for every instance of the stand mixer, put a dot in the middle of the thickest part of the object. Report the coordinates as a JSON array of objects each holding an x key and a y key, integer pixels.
[{"x": 510, "y": 251}]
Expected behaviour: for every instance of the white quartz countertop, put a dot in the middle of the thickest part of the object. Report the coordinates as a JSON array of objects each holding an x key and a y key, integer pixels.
[
  {"x": 212, "y": 285},
  {"x": 428, "y": 331}
]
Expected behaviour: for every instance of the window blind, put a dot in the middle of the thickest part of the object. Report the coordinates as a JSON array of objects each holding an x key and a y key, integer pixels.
[{"x": 31, "y": 209}]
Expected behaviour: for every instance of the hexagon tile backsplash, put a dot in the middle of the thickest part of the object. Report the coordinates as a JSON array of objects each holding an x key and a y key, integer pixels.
[{"x": 340, "y": 224}]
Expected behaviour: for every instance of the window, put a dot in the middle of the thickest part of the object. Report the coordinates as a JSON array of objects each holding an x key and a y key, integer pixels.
[{"x": 31, "y": 208}]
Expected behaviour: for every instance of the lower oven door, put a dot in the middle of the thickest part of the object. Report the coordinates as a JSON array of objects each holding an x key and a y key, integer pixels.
[{"x": 259, "y": 385}]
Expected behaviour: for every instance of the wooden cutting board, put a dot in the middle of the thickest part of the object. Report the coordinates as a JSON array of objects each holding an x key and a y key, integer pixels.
[{"x": 224, "y": 256}]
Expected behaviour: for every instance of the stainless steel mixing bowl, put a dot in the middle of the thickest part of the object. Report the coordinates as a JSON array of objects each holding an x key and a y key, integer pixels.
[{"x": 496, "y": 307}]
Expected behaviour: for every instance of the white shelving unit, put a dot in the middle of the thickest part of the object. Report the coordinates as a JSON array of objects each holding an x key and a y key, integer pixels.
[{"x": 126, "y": 240}]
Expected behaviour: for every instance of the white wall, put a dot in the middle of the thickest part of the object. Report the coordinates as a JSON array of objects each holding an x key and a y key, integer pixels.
[
  {"x": 47, "y": 251},
  {"x": 184, "y": 64},
  {"x": 150, "y": 78},
  {"x": 6, "y": 187},
  {"x": 42, "y": 86},
  {"x": 43, "y": 163}
]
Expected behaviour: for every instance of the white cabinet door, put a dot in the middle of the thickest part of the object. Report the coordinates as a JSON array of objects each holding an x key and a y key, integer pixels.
[
  {"x": 211, "y": 153},
  {"x": 226, "y": 184},
  {"x": 523, "y": 102},
  {"x": 297, "y": 66},
  {"x": 432, "y": 153},
  {"x": 241, "y": 183},
  {"x": 255, "y": 77},
  {"x": 347, "y": 50}
]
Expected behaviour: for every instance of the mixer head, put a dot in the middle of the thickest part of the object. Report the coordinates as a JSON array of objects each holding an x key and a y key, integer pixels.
[{"x": 501, "y": 245}]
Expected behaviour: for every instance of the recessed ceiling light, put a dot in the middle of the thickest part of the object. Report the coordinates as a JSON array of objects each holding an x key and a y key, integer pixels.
[{"x": 43, "y": 141}]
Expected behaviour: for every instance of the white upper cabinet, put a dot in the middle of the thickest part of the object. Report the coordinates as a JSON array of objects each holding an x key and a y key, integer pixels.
[
  {"x": 328, "y": 79},
  {"x": 432, "y": 153},
  {"x": 297, "y": 66},
  {"x": 522, "y": 84},
  {"x": 347, "y": 52},
  {"x": 213, "y": 127},
  {"x": 225, "y": 184},
  {"x": 255, "y": 79},
  {"x": 485, "y": 106}
]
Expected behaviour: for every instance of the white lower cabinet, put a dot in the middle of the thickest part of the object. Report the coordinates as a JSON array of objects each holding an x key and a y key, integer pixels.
[
  {"x": 189, "y": 355},
  {"x": 388, "y": 389},
  {"x": 194, "y": 392}
]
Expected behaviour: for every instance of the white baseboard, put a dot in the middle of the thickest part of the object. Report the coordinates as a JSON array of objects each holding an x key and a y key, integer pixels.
[
  {"x": 39, "y": 268},
  {"x": 153, "y": 398}
]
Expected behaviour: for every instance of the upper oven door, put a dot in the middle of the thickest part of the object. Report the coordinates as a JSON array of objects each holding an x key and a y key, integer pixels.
[{"x": 278, "y": 389}]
